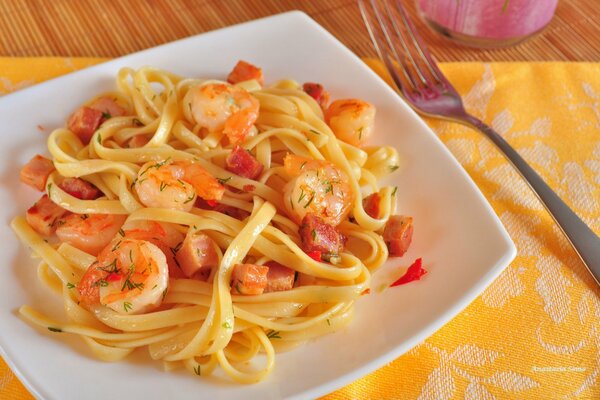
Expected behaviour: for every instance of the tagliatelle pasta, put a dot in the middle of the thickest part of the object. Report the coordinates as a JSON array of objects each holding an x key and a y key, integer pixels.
[{"x": 201, "y": 322}]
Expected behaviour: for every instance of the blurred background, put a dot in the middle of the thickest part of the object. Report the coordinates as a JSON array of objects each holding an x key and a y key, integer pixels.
[{"x": 107, "y": 28}]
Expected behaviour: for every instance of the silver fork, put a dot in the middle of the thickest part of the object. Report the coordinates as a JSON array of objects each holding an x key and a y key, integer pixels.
[{"x": 427, "y": 90}]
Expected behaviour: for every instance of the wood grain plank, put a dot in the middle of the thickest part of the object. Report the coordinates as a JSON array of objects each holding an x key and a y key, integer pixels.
[{"x": 108, "y": 28}]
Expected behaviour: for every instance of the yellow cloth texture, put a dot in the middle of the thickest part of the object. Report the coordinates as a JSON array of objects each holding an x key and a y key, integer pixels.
[{"x": 535, "y": 332}]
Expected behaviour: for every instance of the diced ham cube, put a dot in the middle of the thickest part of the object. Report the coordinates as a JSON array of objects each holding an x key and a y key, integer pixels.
[
  {"x": 242, "y": 163},
  {"x": 249, "y": 279},
  {"x": 84, "y": 123},
  {"x": 244, "y": 71},
  {"x": 109, "y": 107},
  {"x": 317, "y": 92},
  {"x": 79, "y": 188},
  {"x": 234, "y": 212},
  {"x": 279, "y": 277},
  {"x": 318, "y": 236},
  {"x": 371, "y": 204},
  {"x": 397, "y": 234},
  {"x": 138, "y": 141},
  {"x": 197, "y": 256},
  {"x": 305, "y": 280},
  {"x": 36, "y": 172},
  {"x": 43, "y": 216}
]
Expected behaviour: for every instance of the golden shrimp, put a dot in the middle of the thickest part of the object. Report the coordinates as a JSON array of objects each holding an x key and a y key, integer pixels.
[
  {"x": 130, "y": 277},
  {"x": 223, "y": 107},
  {"x": 351, "y": 120},
  {"x": 318, "y": 187},
  {"x": 175, "y": 185}
]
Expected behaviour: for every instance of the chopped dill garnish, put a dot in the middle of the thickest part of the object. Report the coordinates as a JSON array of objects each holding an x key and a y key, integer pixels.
[
  {"x": 101, "y": 283},
  {"x": 329, "y": 186},
  {"x": 310, "y": 200},
  {"x": 157, "y": 165},
  {"x": 302, "y": 195},
  {"x": 128, "y": 283},
  {"x": 223, "y": 181},
  {"x": 175, "y": 249},
  {"x": 226, "y": 325},
  {"x": 52, "y": 329},
  {"x": 273, "y": 334},
  {"x": 70, "y": 285},
  {"x": 112, "y": 267},
  {"x": 190, "y": 198},
  {"x": 127, "y": 306}
]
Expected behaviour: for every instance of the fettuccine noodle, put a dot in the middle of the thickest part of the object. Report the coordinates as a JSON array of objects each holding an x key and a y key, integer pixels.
[{"x": 202, "y": 324}]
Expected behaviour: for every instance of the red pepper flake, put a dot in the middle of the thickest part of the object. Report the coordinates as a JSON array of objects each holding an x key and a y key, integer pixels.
[
  {"x": 413, "y": 273},
  {"x": 315, "y": 255},
  {"x": 249, "y": 188},
  {"x": 113, "y": 276},
  {"x": 366, "y": 291},
  {"x": 41, "y": 128},
  {"x": 212, "y": 203}
]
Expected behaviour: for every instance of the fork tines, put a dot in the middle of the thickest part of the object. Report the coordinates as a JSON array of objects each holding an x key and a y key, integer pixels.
[{"x": 399, "y": 45}]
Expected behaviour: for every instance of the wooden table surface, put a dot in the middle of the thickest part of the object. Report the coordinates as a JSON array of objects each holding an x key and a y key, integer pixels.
[{"x": 110, "y": 28}]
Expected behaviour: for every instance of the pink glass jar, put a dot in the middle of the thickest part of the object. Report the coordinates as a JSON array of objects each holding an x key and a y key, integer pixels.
[{"x": 487, "y": 23}]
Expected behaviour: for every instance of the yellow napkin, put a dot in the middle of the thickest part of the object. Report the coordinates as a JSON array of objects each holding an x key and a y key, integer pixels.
[{"x": 535, "y": 332}]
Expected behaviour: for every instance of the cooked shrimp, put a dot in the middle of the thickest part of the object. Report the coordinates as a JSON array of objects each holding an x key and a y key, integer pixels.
[
  {"x": 318, "y": 187},
  {"x": 175, "y": 185},
  {"x": 161, "y": 234},
  {"x": 131, "y": 278},
  {"x": 222, "y": 107},
  {"x": 351, "y": 120},
  {"x": 89, "y": 232}
]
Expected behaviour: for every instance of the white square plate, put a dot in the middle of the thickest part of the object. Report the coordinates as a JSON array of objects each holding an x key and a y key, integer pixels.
[{"x": 462, "y": 242}]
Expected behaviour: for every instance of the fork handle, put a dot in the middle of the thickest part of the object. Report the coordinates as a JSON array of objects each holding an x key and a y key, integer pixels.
[{"x": 582, "y": 238}]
